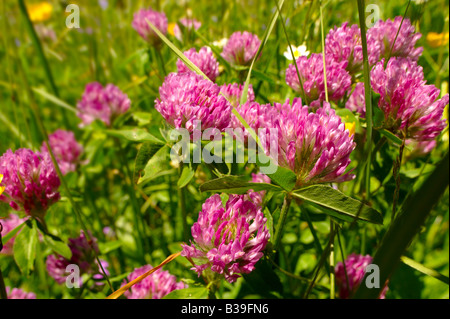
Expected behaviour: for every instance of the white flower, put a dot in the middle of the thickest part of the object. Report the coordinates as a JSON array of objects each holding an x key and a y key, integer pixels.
[
  {"x": 298, "y": 52},
  {"x": 221, "y": 43}
]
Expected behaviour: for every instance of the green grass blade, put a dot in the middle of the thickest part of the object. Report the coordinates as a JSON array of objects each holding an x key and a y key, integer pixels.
[
  {"x": 292, "y": 54},
  {"x": 367, "y": 94},
  {"x": 425, "y": 270},
  {"x": 177, "y": 51},
  {"x": 55, "y": 100},
  {"x": 263, "y": 43},
  {"x": 323, "y": 52}
]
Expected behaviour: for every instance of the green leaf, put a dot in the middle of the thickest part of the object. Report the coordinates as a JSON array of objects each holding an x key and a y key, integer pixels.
[
  {"x": 235, "y": 185},
  {"x": 346, "y": 115},
  {"x": 142, "y": 118},
  {"x": 337, "y": 204},
  {"x": 155, "y": 165},
  {"x": 186, "y": 175},
  {"x": 25, "y": 248},
  {"x": 109, "y": 246},
  {"x": 269, "y": 222},
  {"x": 263, "y": 280},
  {"x": 145, "y": 154},
  {"x": 425, "y": 270},
  {"x": 188, "y": 293},
  {"x": 180, "y": 54},
  {"x": 11, "y": 233},
  {"x": 391, "y": 137},
  {"x": 58, "y": 246},
  {"x": 282, "y": 176},
  {"x": 136, "y": 135}
]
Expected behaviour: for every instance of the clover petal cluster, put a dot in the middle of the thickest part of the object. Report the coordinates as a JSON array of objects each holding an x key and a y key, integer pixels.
[
  {"x": 102, "y": 103},
  {"x": 228, "y": 240},
  {"x": 155, "y": 286},
  {"x": 349, "y": 277},
  {"x": 65, "y": 148},
  {"x": 204, "y": 59},
  {"x": 186, "y": 98},
  {"x": 241, "y": 48},
  {"x": 83, "y": 251},
  {"x": 140, "y": 24},
  {"x": 30, "y": 180},
  {"x": 312, "y": 77},
  {"x": 412, "y": 109}
]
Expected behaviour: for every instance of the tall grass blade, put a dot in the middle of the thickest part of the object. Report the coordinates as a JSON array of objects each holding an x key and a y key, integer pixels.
[{"x": 367, "y": 95}]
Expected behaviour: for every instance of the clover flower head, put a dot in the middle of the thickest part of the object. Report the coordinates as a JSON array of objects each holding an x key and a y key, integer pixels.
[
  {"x": 344, "y": 44},
  {"x": 312, "y": 78},
  {"x": 397, "y": 35},
  {"x": 102, "y": 103},
  {"x": 316, "y": 146},
  {"x": 140, "y": 24},
  {"x": 30, "y": 181},
  {"x": 228, "y": 240},
  {"x": 186, "y": 98},
  {"x": 241, "y": 48},
  {"x": 189, "y": 24},
  {"x": 204, "y": 59},
  {"x": 412, "y": 109},
  {"x": 355, "y": 266},
  {"x": 83, "y": 251},
  {"x": 155, "y": 286},
  {"x": 66, "y": 149}
]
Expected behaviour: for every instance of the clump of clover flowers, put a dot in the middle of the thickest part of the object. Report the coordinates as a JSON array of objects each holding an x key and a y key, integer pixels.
[
  {"x": 155, "y": 286},
  {"x": 229, "y": 239},
  {"x": 30, "y": 181},
  {"x": 17, "y": 293}
]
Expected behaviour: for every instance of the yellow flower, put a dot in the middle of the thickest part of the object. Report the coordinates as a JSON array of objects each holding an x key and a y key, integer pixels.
[
  {"x": 171, "y": 28},
  {"x": 435, "y": 40},
  {"x": 350, "y": 126},
  {"x": 2, "y": 188},
  {"x": 39, "y": 12}
]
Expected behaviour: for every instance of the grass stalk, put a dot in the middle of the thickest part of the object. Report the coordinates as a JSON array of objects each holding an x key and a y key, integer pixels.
[
  {"x": 281, "y": 221},
  {"x": 40, "y": 53},
  {"x": 367, "y": 96}
]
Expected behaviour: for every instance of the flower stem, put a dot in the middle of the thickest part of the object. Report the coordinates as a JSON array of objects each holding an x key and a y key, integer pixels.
[
  {"x": 3, "y": 294},
  {"x": 281, "y": 221},
  {"x": 182, "y": 206},
  {"x": 332, "y": 277},
  {"x": 41, "y": 55}
]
